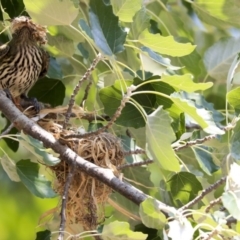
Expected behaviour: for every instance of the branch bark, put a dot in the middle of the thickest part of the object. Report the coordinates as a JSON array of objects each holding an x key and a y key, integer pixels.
[{"x": 106, "y": 176}]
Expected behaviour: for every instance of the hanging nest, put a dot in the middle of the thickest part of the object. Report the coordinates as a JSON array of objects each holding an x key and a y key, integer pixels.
[{"x": 86, "y": 195}]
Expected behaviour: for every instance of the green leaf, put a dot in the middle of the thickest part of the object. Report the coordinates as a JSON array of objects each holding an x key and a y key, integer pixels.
[
  {"x": 60, "y": 45},
  {"x": 126, "y": 9},
  {"x": 121, "y": 231},
  {"x": 180, "y": 229},
  {"x": 37, "y": 184},
  {"x": 166, "y": 62},
  {"x": 140, "y": 22},
  {"x": 48, "y": 90},
  {"x": 205, "y": 159},
  {"x": 54, "y": 70},
  {"x": 159, "y": 138},
  {"x": 150, "y": 214},
  {"x": 41, "y": 154},
  {"x": 232, "y": 204},
  {"x": 165, "y": 45},
  {"x": 185, "y": 83},
  {"x": 217, "y": 62},
  {"x": 219, "y": 13},
  {"x": 9, "y": 167},
  {"x": 12, "y": 144},
  {"x": 107, "y": 34},
  {"x": 111, "y": 98},
  {"x": 233, "y": 97},
  {"x": 235, "y": 142},
  {"x": 183, "y": 187},
  {"x": 186, "y": 107},
  {"x": 44, "y": 235},
  {"x": 52, "y": 12}
]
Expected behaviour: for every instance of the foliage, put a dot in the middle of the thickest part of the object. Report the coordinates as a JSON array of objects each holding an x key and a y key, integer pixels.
[{"x": 183, "y": 59}]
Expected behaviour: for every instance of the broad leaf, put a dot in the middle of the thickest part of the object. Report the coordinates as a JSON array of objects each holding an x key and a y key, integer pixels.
[
  {"x": 60, "y": 45},
  {"x": 48, "y": 90},
  {"x": 183, "y": 187},
  {"x": 235, "y": 142},
  {"x": 185, "y": 83},
  {"x": 205, "y": 159},
  {"x": 231, "y": 198},
  {"x": 232, "y": 204},
  {"x": 36, "y": 183},
  {"x": 52, "y": 12},
  {"x": 150, "y": 214},
  {"x": 111, "y": 98},
  {"x": 180, "y": 229},
  {"x": 159, "y": 138},
  {"x": 120, "y": 231},
  {"x": 44, "y": 235},
  {"x": 54, "y": 70},
  {"x": 41, "y": 154},
  {"x": 217, "y": 62},
  {"x": 218, "y": 12},
  {"x": 107, "y": 34},
  {"x": 126, "y": 9},
  {"x": 140, "y": 22},
  {"x": 9, "y": 167},
  {"x": 166, "y": 62},
  {"x": 233, "y": 73},
  {"x": 165, "y": 45},
  {"x": 187, "y": 107},
  {"x": 233, "y": 97}
]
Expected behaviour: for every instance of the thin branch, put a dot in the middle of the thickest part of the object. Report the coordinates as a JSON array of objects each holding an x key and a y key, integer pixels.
[
  {"x": 207, "y": 138},
  {"x": 134, "y": 152},
  {"x": 86, "y": 93},
  {"x": 6, "y": 131},
  {"x": 77, "y": 87},
  {"x": 106, "y": 176},
  {"x": 111, "y": 122},
  {"x": 195, "y": 142},
  {"x": 204, "y": 193},
  {"x": 136, "y": 164},
  {"x": 213, "y": 203},
  {"x": 64, "y": 201}
]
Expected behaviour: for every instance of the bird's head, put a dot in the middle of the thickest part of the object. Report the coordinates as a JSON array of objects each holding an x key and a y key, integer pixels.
[{"x": 25, "y": 27}]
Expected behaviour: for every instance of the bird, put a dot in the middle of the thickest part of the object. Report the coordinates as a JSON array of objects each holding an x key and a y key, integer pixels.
[{"x": 23, "y": 60}]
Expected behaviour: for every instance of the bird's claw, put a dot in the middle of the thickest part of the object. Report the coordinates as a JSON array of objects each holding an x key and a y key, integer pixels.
[{"x": 27, "y": 102}]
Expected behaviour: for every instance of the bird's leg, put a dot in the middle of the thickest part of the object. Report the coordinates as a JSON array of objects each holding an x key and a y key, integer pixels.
[{"x": 26, "y": 102}]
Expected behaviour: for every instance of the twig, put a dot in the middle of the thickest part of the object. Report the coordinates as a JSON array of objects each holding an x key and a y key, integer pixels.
[
  {"x": 137, "y": 164},
  {"x": 213, "y": 203},
  {"x": 203, "y": 194},
  {"x": 64, "y": 200},
  {"x": 86, "y": 93},
  {"x": 207, "y": 138},
  {"x": 106, "y": 176},
  {"x": 134, "y": 152},
  {"x": 111, "y": 122},
  {"x": 195, "y": 142},
  {"x": 77, "y": 87},
  {"x": 211, "y": 234},
  {"x": 6, "y": 131}
]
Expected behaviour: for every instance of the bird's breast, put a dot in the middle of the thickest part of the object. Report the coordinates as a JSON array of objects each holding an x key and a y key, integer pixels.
[{"x": 20, "y": 69}]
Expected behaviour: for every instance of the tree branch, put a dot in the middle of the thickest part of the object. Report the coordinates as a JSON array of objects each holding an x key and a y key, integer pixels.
[{"x": 106, "y": 176}]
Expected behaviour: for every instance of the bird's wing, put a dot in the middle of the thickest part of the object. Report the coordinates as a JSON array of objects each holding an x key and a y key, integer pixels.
[
  {"x": 45, "y": 63},
  {"x": 3, "y": 50}
]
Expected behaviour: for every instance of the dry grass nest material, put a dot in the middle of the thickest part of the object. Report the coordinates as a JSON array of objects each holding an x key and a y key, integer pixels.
[{"x": 86, "y": 195}]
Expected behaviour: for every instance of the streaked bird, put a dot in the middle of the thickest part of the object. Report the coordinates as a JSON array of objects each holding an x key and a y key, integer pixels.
[{"x": 22, "y": 59}]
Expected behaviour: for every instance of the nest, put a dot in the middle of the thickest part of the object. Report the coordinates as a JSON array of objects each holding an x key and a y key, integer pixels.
[{"x": 86, "y": 195}]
